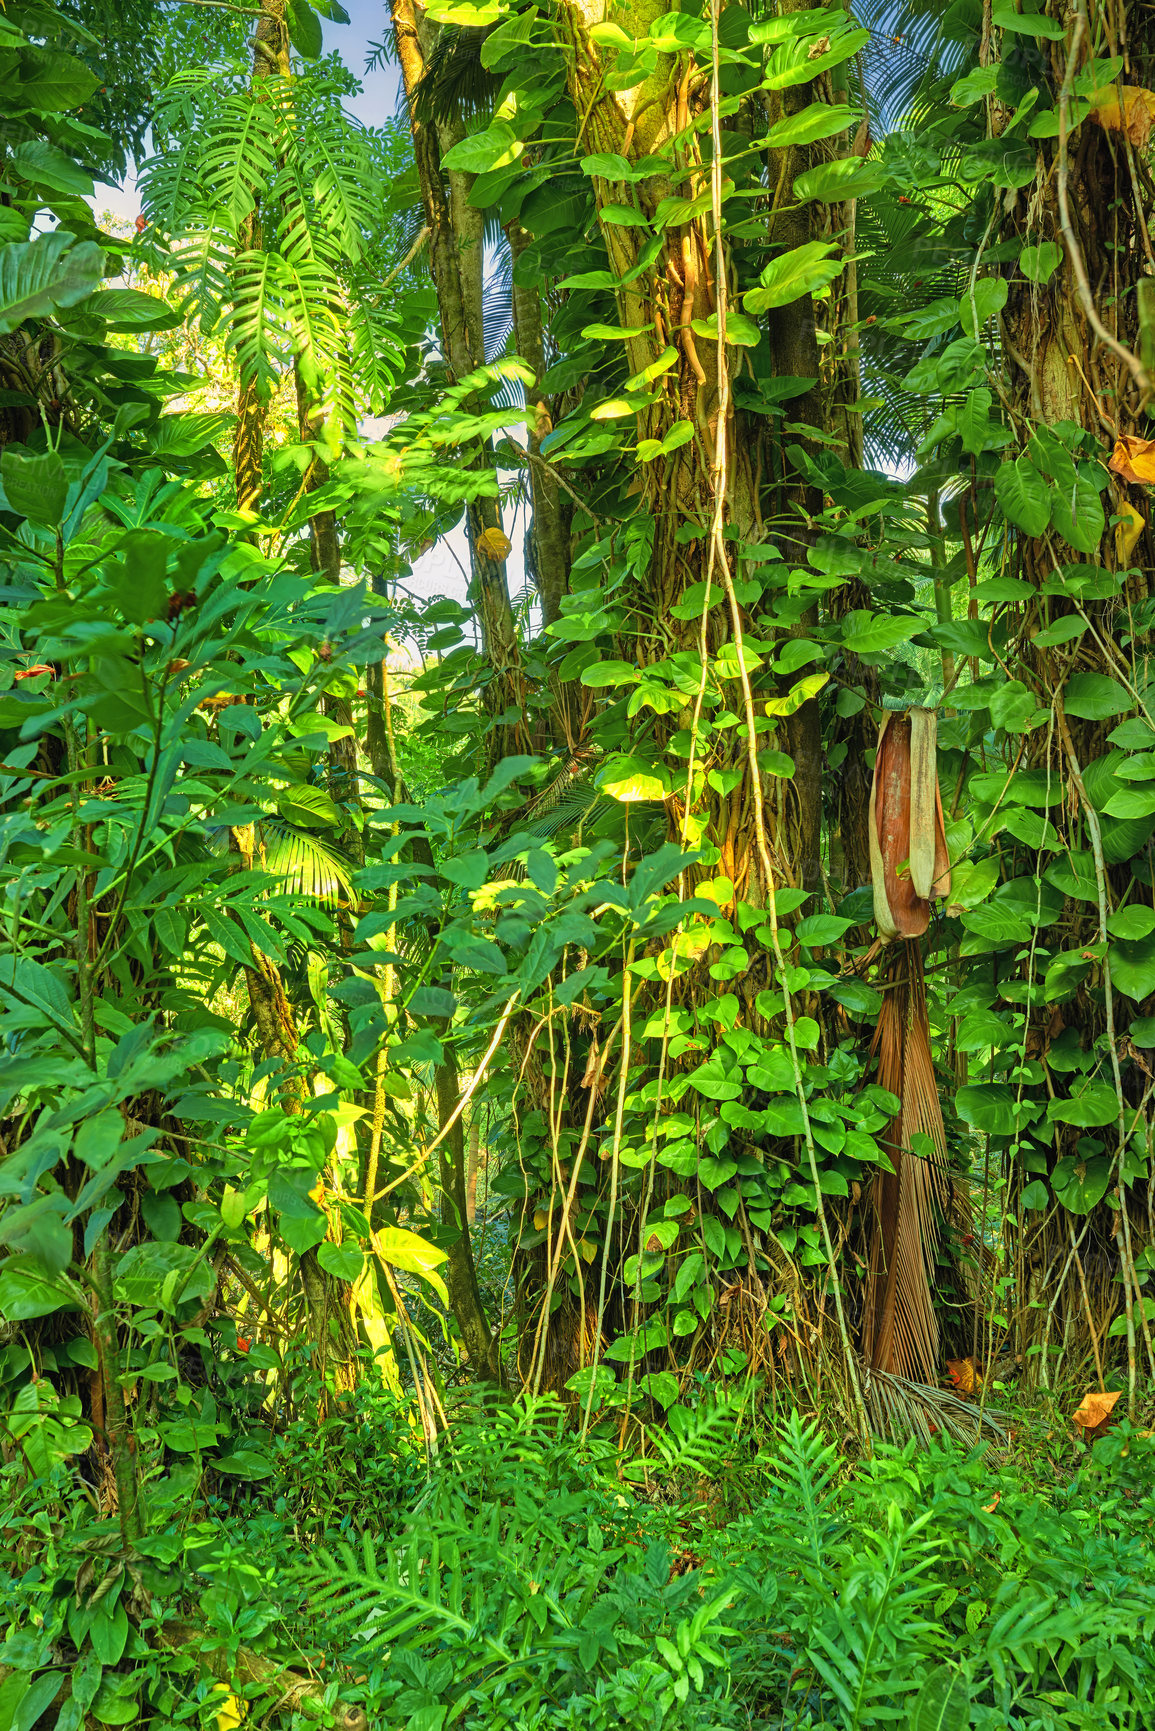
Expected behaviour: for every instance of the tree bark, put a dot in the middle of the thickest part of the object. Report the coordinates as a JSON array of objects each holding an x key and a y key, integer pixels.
[
  {"x": 1060, "y": 370},
  {"x": 456, "y": 253}
]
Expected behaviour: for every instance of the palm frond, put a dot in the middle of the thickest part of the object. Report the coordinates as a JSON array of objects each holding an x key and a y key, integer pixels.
[{"x": 305, "y": 865}]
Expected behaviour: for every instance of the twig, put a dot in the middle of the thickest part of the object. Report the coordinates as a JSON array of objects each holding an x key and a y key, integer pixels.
[
  {"x": 541, "y": 463},
  {"x": 413, "y": 250},
  {"x": 466, "y": 1096}
]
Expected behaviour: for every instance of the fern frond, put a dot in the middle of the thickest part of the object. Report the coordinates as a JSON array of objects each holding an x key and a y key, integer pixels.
[{"x": 698, "y": 1439}]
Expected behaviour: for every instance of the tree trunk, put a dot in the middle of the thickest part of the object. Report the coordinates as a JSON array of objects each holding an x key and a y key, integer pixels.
[
  {"x": 1071, "y": 344},
  {"x": 456, "y": 253}
]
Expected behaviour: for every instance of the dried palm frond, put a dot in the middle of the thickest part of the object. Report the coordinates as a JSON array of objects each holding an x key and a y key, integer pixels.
[
  {"x": 901, "y": 1408},
  {"x": 909, "y": 862},
  {"x": 900, "y": 1327}
]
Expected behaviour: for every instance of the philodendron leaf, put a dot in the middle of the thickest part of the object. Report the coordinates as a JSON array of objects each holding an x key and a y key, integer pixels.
[
  {"x": 1024, "y": 495},
  {"x": 803, "y": 271},
  {"x": 40, "y": 276},
  {"x": 304, "y": 29}
]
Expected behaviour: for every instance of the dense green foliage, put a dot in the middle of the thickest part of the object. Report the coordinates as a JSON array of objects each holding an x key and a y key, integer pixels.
[
  {"x": 489, "y": 1090},
  {"x": 525, "y": 1585}
]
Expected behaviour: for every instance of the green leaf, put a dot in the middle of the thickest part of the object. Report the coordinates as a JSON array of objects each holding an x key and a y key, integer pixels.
[
  {"x": 974, "y": 85},
  {"x": 131, "y": 310},
  {"x": 414, "y": 1254},
  {"x": 661, "y": 1386},
  {"x": 44, "y": 165},
  {"x": 609, "y": 166},
  {"x": 989, "y": 297},
  {"x": 29, "y": 1698},
  {"x": 1077, "y": 512},
  {"x": 1133, "y": 968},
  {"x": 36, "y": 486},
  {"x": 988, "y": 1106},
  {"x": 800, "y": 272},
  {"x": 1012, "y": 706},
  {"x": 1006, "y": 17},
  {"x": 1095, "y": 697},
  {"x": 1035, "y": 1194},
  {"x": 1080, "y": 1186},
  {"x": 1039, "y": 263},
  {"x": 342, "y": 1261},
  {"x": 1133, "y": 923},
  {"x": 739, "y": 329},
  {"x": 819, "y": 120},
  {"x": 943, "y": 1703},
  {"x": 1091, "y": 1109},
  {"x": 25, "y": 1294},
  {"x": 1024, "y": 495},
  {"x": 51, "y": 81},
  {"x": 309, "y": 806},
  {"x": 1131, "y": 802},
  {"x": 610, "y": 673},
  {"x": 846, "y": 177},
  {"x": 332, "y": 10},
  {"x": 865, "y": 633},
  {"x": 304, "y": 29},
  {"x": 39, "y": 276},
  {"x": 821, "y": 929},
  {"x": 496, "y": 147}
]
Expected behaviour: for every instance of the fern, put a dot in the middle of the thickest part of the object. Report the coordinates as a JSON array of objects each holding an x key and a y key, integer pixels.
[{"x": 699, "y": 1439}]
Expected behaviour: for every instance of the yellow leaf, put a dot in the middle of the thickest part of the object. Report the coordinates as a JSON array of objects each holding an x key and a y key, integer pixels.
[
  {"x": 1130, "y": 109},
  {"x": 1096, "y": 1407},
  {"x": 681, "y": 955},
  {"x": 1134, "y": 459},
  {"x": 231, "y": 1712},
  {"x": 494, "y": 544},
  {"x": 539, "y": 1219},
  {"x": 797, "y": 695},
  {"x": 629, "y": 779},
  {"x": 1127, "y": 532},
  {"x": 588, "y": 1249}
]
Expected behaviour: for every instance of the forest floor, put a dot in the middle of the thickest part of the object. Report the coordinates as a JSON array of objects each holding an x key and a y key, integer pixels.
[{"x": 752, "y": 1570}]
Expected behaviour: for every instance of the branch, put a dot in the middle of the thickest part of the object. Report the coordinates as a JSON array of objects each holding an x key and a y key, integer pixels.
[
  {"x": 541, "y": 463},
  {"x": 413, "y": 250}
]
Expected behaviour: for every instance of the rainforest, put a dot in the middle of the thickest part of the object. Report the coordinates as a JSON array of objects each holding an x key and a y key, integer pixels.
[{"x": 577, "y": 865}]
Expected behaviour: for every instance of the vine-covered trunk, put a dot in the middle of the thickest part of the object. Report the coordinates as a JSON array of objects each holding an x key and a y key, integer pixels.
[
  {"x": 731, "y": 746},
  {"x": 1077, "y": 236}
]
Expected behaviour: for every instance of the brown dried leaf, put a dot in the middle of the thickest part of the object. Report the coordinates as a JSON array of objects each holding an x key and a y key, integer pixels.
[
  {"x": 1130, "y": 109},
  {"x": 1134, "y": 459},
  {"x": 1095, "y": 1408},
  {"x": 963, "y": 1374}
]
